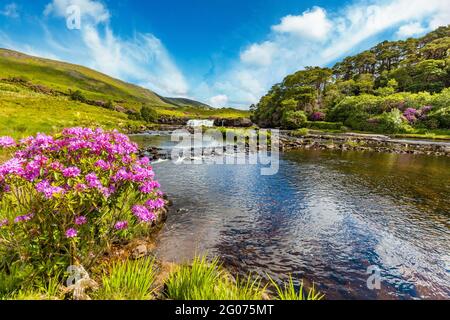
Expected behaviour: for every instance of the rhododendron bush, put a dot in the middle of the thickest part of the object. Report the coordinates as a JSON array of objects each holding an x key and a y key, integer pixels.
[{"x": 66, "y": 198}]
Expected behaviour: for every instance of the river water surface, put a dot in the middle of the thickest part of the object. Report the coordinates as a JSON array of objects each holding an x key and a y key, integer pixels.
[{"x": 325, "y": 217}]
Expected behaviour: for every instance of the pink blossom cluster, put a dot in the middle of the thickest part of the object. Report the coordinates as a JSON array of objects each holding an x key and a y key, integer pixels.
[
  {"x": 413, "y": 115},
  {"x": 317, "y": 116},
  {"x": 83, "y": 165}
]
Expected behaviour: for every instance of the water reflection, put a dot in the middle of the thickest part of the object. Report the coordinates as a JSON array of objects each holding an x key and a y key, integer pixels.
[{"x": 325, "y": 217}]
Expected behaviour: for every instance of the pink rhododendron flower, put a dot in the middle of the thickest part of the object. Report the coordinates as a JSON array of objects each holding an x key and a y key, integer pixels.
[
  {"x": 143, "y": 214},
  {"x": 121, "y": 225},
  {"x": 93, "y": 181},
  {"x": 7, "y": 142},
  {"x": 75, "y": 171},
  {"x": 71, "y": 233},
  {"x": 155, "y": 204},
  {"x": 102, "y": 164},
  {"x": 149, "y": 186},
  {"x": 71, "y": 172},
  {"x": 23, "y": 218},
  {"x": 80, "y": 220}
]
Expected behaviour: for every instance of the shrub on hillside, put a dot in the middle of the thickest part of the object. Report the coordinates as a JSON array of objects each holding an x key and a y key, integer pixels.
[
  {"x": 293, "y": 119},
  {"x": 322, "y": 125},
  {"x": 317, "y": 116},
  {"x": 351, "y": 105},
  {"x": 442, "y": 117},
  {"x": 148, "y": 114},
  {"x": 77, "y": 96},
  {"x": 392, "y": 122},
  {"x": 65, "y": 198}
]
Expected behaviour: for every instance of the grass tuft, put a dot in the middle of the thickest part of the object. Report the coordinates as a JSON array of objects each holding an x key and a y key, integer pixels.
[
  {"x": 128, "y": 280},
  {"x": 205, "y": 280},
  {"x": 288, "y": 292}
]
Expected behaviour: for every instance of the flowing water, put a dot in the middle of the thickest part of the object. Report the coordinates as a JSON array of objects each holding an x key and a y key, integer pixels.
[{"x": 325, "y": 217}]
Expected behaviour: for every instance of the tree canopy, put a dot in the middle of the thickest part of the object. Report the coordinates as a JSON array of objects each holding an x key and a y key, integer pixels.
[{"x": 388, "y": 71}]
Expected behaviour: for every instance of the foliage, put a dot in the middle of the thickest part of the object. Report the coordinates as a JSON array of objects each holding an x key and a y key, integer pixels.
[
  {"x": 392, "y": 75},
  {"x": 77, "y": 96},
  {"x": 148, "y": 114},
  {"x": 205, "y": 280},
  {"x": 24, "y": 113},
  {"x": 293, "y": 119},
  {"x": 128, "y": 280},
  {"x": 65, "y": 198},
  {"x": 317, "y": 116},
  {"x": 323, "y": 125},
  {"x": 300, "y": 132},
  {"x": 441, "y": 116},
  {"x": 288, "y": 292},
  {"x": 393, "y": 122},
  {"x": 13, "y": 278},
  {"x": 22, "y": 76}
]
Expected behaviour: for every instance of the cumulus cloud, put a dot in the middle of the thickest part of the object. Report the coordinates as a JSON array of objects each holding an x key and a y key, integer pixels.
[
  {"x": 220, "y": 100},
  {"x": 10, "y": 10},
  {"x": 312, "y": 24},
  {"x": 142, "y": 59},
  {"x": 259, "y": 54},
  {"x": 91, "y": 10},
  {"x": 410, "y": 30},
  {"x": 318, "y": 37}
]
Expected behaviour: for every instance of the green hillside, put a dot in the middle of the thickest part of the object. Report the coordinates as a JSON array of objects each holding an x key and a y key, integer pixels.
[
  {"x": 63, "y": 77},
  {"x": 39, "y": 94},
  {"x": 394, "y": 87}
]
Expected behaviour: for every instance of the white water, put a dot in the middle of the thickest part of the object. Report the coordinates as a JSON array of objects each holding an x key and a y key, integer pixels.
[{"x": 200, "y": 123}]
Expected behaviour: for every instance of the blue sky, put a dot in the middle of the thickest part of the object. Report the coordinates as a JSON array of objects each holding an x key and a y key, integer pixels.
[{"x": 222, "y": 52}]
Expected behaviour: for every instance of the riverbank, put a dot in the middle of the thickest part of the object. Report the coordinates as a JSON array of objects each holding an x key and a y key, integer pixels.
[{"x": 291, "y": 140}]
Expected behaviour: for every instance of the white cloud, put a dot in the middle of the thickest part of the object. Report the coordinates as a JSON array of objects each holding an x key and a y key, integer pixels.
[
  {"x": 312, "y": 24},
  {"x": 259, "y": 54},
  {"x": 410, "y": 30},
  {"x": 91, "y": 10},
  {"x": 220, "y": 100},
  {"x": 318, "y": 37},
  {"x": 142, "y": 59},
  {"x": 10, "y": 10}
]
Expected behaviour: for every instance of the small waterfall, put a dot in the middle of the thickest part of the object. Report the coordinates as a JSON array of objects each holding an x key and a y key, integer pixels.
[{"x": 200, "y": 123}]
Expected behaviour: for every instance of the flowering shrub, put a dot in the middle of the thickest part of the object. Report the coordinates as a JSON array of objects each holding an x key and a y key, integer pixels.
[
  {"x": 415, "y": 115},
  {"x": 66, "y": 198},
  {"x": 411, "y": 115},
  {"x": 392, "y": 122},
  {"x": 317, "y": 116}
]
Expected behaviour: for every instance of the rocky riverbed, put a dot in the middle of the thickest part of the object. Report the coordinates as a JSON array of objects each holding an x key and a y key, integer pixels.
[{"x": 363, "y": 142}]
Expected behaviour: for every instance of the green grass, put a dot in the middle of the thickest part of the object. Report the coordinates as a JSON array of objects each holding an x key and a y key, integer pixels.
[
  {"x": 63, "y": 77},
  {"x": 17, "y": 283},
  {"x": 24, "y": 113},
  {"x": 203, "y": 280},
  {"x": 128, "y": 280},
  {"x": 300, "y": 132},
  {"x": 144, "y": 279},
  {"x": 438, "y": 134},
  {"x": 288, "y": 291}
]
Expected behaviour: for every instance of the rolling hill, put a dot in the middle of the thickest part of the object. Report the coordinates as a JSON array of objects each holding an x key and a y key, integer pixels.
[{"x": 38, "y": 94}]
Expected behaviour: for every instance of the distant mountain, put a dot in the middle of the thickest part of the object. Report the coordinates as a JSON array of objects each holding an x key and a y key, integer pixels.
[{"x": 183, "y": 102}]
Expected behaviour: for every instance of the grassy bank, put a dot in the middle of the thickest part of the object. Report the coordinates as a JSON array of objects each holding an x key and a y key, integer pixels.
[
  {"x": 436, "y": 134},
  {"x": 149, "y": 279},
  {"x": 24, "y": 113},
  {"x": 44, "y": 95}
]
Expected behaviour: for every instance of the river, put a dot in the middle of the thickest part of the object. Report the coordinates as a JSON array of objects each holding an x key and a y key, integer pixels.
[{"x": 331, "y": 218}]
